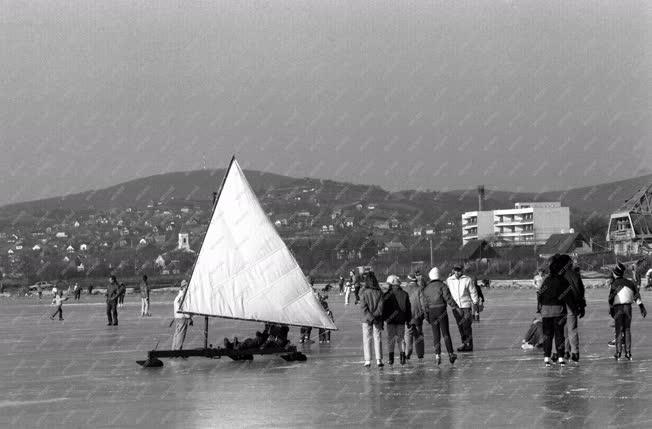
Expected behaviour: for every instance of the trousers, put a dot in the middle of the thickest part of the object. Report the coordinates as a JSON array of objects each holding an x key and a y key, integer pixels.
[
  {"x": 112, "y": 312},
  {"x": 623, "y": 319},
  {"x": 438, "y": 317},
  {"x": 553, "y": 327},
  {"x": 180, "y": 329},
  {"x": 464, "y": 320},
  {"x": 571, "y": 333},
  {"x": 371, "y": 333},
  {"x": 414, "y": 338},
  {"x": 396, "y": 334}
]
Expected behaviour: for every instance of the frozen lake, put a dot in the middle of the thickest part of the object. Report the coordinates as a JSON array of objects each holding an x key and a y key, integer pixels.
[{"x": 81, "y": 373}]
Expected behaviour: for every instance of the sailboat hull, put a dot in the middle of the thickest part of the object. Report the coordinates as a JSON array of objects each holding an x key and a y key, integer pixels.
[{"x": 289, "y": 354}]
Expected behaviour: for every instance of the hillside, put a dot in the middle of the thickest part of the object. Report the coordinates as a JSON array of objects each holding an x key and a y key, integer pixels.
[{"x": 279, "y": 192}]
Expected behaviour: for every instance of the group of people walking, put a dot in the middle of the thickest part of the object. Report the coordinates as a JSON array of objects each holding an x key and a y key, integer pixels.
[{"x": 402, "y": 311}]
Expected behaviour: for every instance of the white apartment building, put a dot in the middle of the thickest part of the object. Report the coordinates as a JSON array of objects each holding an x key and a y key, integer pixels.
[{"x": 528, "y": 223}]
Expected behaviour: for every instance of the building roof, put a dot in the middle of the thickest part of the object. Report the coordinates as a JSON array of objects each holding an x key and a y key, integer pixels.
[
  {"x": 562, "y": 243},
  {"x": 477, "y": 249}
]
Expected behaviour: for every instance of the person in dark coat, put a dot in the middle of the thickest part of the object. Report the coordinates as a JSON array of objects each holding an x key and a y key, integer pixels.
[
  {"x": 396, "y": 313},
  {"x": 371, "y": 308},
  {"x": 414, "y": 330},
  {"x": 112, "y": 293},
  {"x": 552, "y": 306},
  {"x": 434, "y": 300},
  {"x": 575, "y": 306}
]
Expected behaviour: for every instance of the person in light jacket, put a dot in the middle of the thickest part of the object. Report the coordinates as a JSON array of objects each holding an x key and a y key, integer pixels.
[
  {"x": 371, "y": 307},
  {"x": 465, "y": 295},
  {"x": 181, "y": 320}
]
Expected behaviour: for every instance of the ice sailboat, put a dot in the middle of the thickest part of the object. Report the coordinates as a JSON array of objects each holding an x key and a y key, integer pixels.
[{"x": 245, "y": 271}]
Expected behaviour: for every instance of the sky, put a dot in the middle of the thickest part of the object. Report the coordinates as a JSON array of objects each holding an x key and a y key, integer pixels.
[{"x": 516, "y": 95}]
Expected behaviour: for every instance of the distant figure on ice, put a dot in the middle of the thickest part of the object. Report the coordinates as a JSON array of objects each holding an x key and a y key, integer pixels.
[
  {"x": 39, "y": 290},
  {"x": 90, "y": 289},
  {"x": 57, "y": 301},
  {"x": 434, "y": 299},
  {"x": 325, "y": 334},
  {"x": 397, "y": 314},
  {"x": 348, "y": 287},
  {"x": 144, "y": 297},
  {"x": 622, "y": 294},
  {"x": 479, "y": 307},
  {"x": 121, "y": 295},
  {"x": 340, "y": 284},
  {"x": 112, "y": 293},
  {"x": 371, "y": 307},
  {"x": 414, "y": 330},
  {"x": 551, "y": 304},
  {"x": 465, "y": 295},
  {"x": 538, "y": 279},
  {"x": 636, "y": 276},
  {"x": 181, "y": 320},
  {"x": 77, "y": 292}
]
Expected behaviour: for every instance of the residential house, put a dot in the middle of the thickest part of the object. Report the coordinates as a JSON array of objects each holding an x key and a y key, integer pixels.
[{"x": 573, "y": 244}]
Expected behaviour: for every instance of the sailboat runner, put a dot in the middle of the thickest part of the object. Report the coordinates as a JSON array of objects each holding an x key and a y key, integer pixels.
[{"x": 245, "y": 271}]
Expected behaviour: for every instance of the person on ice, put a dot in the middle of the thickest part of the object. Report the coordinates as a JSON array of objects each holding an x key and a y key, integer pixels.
[
  {"x": 396, "y": 313},
  {"x": 112, "y": 292},
  {"x": 465, "y": 295},
  {"x": 181, "y": 320},
  {"x": 434, "y": 300},
  {"x": 622, "y": 294},
  {"x": 551, "y": 305},
  {"x": 144, "y": 297},
  {"x": 414, "y": 330},
  {"x": 371, "y": 307},
  {"x": 325, "y": 334},
  {"x": 57, "y": 301},
  {"x": 479, "y": 307},
  {"x": 575, "y": 307}
]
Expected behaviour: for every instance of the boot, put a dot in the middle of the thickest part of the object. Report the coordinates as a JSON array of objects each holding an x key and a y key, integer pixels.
[
  {"x": 617, "y": 355},
  {"x": 437, "y": 359},
  {"x": 408, "y": 355},
  {"x": 403, "y": 358},
  {"x": 628, "y": 356},
  {"x": 575, "y": 357},
  {"x": 379, "y": 363},
  {"x": 547, "y": 361},
  {"x": 452, "y": 357},
  {"x": 390, "y": 360}
]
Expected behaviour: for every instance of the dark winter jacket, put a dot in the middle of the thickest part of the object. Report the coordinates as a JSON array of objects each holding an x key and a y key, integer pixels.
[
  {"x": 436, "y": 295},
  {"x": 371, "y": 304},
  {"x": 396, "y": 306},
  {"x": 575, "y": 296},
  {"x": 414, "y": 291},
  {"x": 112, "y": 292},
  {"x": 553, "y": 291}
]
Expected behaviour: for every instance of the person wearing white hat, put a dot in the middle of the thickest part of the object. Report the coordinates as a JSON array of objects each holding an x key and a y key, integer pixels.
[
  {"x": 181, "y": 320},
  {"x": 434, "y": 299},
  {"x": 397, "y": 313}
]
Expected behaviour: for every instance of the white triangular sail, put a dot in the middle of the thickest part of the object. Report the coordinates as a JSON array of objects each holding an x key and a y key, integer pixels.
[{"x": 244, "y": 270}]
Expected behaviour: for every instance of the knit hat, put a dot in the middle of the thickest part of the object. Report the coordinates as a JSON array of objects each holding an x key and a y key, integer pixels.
[
  {"x": 458, "y": 267},
  {"x": 619, "y": 269},
  {"x": 434, "y": 274},
  {"x": 393, "y": 280}
]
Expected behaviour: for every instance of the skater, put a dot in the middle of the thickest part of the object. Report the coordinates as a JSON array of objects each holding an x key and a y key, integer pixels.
[
  {"x": 434, "y": 299},
  {"x": 121, "y": 295},
  {"x": 371, "y": 306},
  {"x": 414, "y": 330},
  {"x": 538, "y": 279},
  {"x": 112, "y": 292},
  {"x": 575, "y": 307},
  {"x": 551, "y": 305},
  {"x": 341, "y": 285},
  {"x": 181, "y": 320},
  {"x": 465, "y": 295},
  {"x": 76, "y": 292},
  {"x": 39, "y": 290},
  {"x": 90, "y": 289},
  {"x": 144, "y": 297},
  {"x": 622, "y": 294},
  {"x": 58, "y": 302},
  {"x": 325, "y": 334},
  {"x": 357, "y": 285},
  {"x": 479, "y": 307},
  {"x": 396, "y": 313},
  {"x": 636, "y": 276},
  {"x": 348, "y": 286}
]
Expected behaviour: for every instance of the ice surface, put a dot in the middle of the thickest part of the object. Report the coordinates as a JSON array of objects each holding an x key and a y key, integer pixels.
[{"x": 81, "y": 373}]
